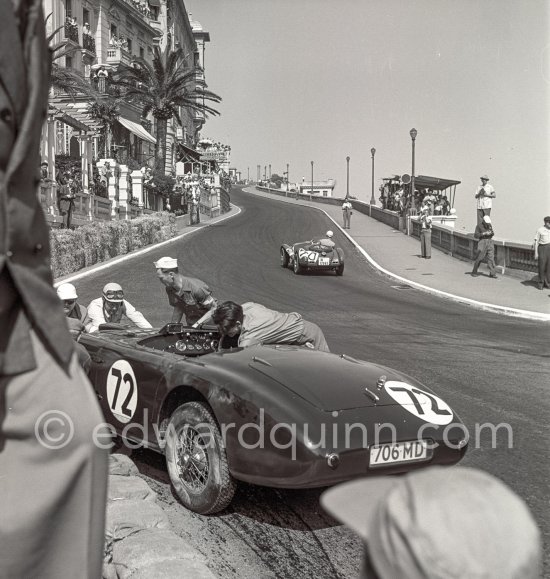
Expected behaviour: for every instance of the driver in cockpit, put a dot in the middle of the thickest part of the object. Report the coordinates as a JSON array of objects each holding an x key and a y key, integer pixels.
[{"x": 323, "y": 243}]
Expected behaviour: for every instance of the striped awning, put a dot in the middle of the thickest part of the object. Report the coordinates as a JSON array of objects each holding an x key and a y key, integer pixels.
[{"x": 137, "y": 129}]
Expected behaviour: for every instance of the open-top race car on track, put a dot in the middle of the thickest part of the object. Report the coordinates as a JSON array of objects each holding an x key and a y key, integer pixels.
[
  {"x": 312, "y": 255},
  {"x": 279, "y": 416}
]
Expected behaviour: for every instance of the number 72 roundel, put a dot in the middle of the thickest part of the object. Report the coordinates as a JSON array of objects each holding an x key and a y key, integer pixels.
[
  {"x": 423, "y": 405},
  {"x": 122, "y": 393}
]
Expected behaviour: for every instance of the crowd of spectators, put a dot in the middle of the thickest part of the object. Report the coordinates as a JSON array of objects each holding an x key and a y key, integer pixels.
[{"x": 395, "y": 196}]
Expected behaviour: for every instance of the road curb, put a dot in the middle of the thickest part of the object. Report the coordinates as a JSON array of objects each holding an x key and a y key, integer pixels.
[
  {"x": 138, "y": 535},
  {"x": 493, "y": 308}
]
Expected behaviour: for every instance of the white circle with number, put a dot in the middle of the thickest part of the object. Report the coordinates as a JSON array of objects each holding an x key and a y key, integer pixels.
[
  {"x": 423, "y": 405},
  {"x": 122, "y": 392}
]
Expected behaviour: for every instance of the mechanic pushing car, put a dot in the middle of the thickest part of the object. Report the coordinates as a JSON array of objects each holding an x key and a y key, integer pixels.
[
  {"x": 111, "y": 307},
  {"x": 77, "y": 319},
  {"x": 256, "y": 324},
  {"x": 190, "y": 297}
]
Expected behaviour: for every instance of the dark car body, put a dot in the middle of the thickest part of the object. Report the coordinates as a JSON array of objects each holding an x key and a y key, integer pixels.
[
  {"x": 334, "y": 407},
  {"x": 309, "y": 255}
]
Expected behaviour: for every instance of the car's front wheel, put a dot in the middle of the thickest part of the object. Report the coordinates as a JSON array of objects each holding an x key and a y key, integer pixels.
[
  {"x": 284, "y": 257},
  {"x": 196, "y": 460},
  {"x": 340, "y": 269},
  {"x": 296, "y": 265}
]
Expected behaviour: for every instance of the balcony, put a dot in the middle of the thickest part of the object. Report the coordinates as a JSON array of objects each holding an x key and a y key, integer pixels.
[
  {"x": 71, "y": 30},
  {"x": 88, "y": 43},
  {"x": 117, "y": 56}
]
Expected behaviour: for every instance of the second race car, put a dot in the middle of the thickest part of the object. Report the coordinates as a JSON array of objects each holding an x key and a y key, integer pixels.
[{"x": 312, "y": 255}]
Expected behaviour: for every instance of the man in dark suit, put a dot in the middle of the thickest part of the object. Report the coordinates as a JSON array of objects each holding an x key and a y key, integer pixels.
[{"x": 53, "y": 476}]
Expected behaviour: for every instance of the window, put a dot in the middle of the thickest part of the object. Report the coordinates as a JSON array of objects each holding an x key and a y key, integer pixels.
[
  {"x": 113, "y": 31},
  {"x": 86, "y": 16},
  {"x": 68, "y": 9},
  {"x": 129, "y": 44},
  {"x": 141, "y": 52},
  {"x": 68, "y": 62}
]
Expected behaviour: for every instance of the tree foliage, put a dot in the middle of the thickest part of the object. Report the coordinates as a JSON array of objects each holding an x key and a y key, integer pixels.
[{"x": 162, "y": 88}]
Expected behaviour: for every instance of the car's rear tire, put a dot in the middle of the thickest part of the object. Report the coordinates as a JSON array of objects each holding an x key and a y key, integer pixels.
[
  {"x": 284, "y": 258},
  {"x": 196, "y": 460},
  {"x": 296, "y": 265},
  {"x": 340, "y": 269}
]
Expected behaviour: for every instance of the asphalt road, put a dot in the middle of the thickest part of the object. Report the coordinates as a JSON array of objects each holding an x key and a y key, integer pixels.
[{"x": 489, "y": 368}]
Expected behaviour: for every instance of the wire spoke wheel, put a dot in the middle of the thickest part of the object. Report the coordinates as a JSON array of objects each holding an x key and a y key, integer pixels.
[
  {"x": 196, "y": 459},
  {"x": 192, "y": 459}
]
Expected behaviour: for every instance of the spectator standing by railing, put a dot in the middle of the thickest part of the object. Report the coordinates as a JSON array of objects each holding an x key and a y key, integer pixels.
[
  {"x": 484, "y": 233},
  {"x": 425, "y": 231},
  {"x": 347, "y": 211},
  {"x": 485, "y": 194},
  {"x": 542, "y": 253}
]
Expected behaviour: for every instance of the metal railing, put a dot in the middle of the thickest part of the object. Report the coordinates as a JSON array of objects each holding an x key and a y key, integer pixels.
[{"x": 508, "y": 254}]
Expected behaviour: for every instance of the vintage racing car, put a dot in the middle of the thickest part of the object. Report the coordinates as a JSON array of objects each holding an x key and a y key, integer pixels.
[
  {"x": 279, "y": 416},
  {"x": 308, "y": 255}
]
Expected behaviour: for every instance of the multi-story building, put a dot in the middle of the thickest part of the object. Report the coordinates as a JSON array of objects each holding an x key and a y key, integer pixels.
[{"x": 107, "y": 35}]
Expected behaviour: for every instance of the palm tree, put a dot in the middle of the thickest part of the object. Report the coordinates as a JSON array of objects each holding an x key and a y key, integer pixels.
[
  {"x": 163, "y": 87},
  {"x": 106, "y": 111}
]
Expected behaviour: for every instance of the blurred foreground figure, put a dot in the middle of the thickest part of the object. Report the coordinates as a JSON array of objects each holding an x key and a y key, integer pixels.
[
  {"x": 53, "y": 477},
  {"x": 439, "y": 523}
]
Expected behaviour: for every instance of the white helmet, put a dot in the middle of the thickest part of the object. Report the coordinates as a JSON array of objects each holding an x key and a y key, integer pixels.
[
  {"x": 66, "y": 291},
  {"x": 329, "y": 233}
]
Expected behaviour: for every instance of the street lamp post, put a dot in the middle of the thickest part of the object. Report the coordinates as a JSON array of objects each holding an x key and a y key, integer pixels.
[
  {"x": 311, "y": 178},
  {"x": 270, "y": 171},
  {"x": 248, "y": 178},
  {"x": 413, "y": 132},
  {"x": 347, "y": 177},
  {"x": 265, "y": 173},
  {"x": 372, "y": 199},
  {"x": 287, "y": 177}
]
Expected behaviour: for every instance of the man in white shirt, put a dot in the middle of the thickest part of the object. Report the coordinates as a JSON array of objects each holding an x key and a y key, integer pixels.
[
  {"x": 111, "y": 307},
  {"x": 542, "y": 253},
  {"x": 485, "y": 194},
  {"x": 347, "y": 212}
]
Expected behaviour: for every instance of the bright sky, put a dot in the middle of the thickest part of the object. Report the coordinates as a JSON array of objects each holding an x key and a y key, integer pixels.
[{"x": 318, "y": 80}]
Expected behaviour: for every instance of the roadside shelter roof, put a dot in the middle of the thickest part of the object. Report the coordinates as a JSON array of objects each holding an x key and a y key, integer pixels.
[{"x": 434, "y": 182}]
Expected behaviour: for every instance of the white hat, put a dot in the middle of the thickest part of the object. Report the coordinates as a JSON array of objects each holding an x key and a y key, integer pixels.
[
  {"x": 329, "y": 233},
  {"x": 487, "y": 219},
  {"x": 166, "y": 263},
  {"x": 66, "y": 291}
]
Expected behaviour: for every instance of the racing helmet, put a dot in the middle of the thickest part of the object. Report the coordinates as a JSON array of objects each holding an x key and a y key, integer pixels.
[
  {"x": 329, "y": 233},
  {"x": 113, "y": 292}
]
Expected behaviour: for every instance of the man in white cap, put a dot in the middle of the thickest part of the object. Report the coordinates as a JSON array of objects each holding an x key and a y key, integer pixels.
[
  {"x": 111, "y": 307},
  {"x": 485, "y": 194},
  {"x": 439, "y": 523},
  {"x": 77, "y": 319},
  {"x": 485, "y": 246},
  {"x": 190, "y": 297}
]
